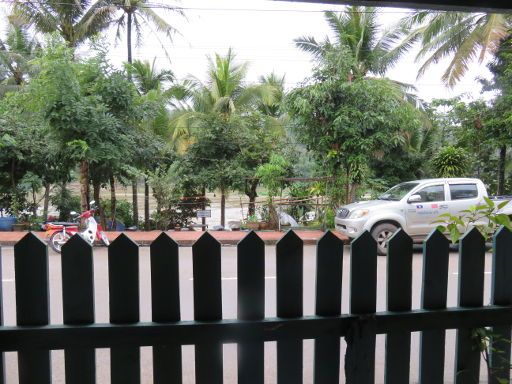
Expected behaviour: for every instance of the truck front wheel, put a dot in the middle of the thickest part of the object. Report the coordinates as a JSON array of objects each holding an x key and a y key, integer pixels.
[{"x": 382, "y": 233}]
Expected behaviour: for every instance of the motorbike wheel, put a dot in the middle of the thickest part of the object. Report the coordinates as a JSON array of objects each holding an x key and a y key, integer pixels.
[
  {"x": 104, "y": 239},
  {"x": 58, "y": 239}
]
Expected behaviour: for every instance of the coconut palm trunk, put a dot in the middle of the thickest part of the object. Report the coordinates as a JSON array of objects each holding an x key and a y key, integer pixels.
[
  {"x": 84, "y": 185},
  {"x": 222, "y": 207},
  {"x": 113, "y": 202},
  {"x": 501, "y": 170}
]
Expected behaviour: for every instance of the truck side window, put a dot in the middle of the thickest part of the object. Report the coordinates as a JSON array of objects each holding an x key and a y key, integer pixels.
[
  {"x": 432, "y": 193},
  {"x": 463, "y": 191}
]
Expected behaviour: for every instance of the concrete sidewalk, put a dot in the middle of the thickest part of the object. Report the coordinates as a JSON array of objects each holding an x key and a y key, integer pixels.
[{"x": 187, "y": 238}]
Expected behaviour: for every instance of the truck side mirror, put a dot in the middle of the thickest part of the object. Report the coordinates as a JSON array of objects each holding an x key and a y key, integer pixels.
[{"x": 414, "y": 199}]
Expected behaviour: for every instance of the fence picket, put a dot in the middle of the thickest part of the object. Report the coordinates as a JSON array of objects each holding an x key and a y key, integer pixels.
[
  {"x": 329, "y": 272},
  {"x": 78, "y": 306},
  {"x": 399, "y": 298},
  {"x": 501, "y": 295},
  {"x": 2, "y": 355},
  {"x": 32, "y": 304},
  {"x": 206, "y": 259},
  {"x": 471, "y": 289},
  {"x": 251, "y": 305},
  {"x": 123, "y": 274},
  {"x": 434, "y": 293},
  {"x": 289, "y": 259},
  {"x": 165, "y": 296},
  {"x": 360, "y": 356}
]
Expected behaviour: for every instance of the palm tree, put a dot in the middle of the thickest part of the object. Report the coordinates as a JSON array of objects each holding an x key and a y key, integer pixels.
[
  {"x": 15, "y": 53},
  {"x": 224, "y": 93},
  {"x": 465, "y": 37},
  {"x": 74, "y": 20},
  {"x": 357, "y": 30},
  {"x": 149, "y": 83},
  {"x": 133, "y": 15}
]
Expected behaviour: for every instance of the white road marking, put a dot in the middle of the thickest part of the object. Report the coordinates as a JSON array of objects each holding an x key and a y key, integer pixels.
[
  {"x": 485, "y": 273},
  {"x": 235, "y": 278}
]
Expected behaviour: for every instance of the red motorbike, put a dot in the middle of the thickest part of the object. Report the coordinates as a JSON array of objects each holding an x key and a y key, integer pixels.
[{"x": 60, "y": 232}]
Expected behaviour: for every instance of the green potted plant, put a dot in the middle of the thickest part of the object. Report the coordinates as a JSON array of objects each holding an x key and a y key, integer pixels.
[{"x": 252, "y": 223}]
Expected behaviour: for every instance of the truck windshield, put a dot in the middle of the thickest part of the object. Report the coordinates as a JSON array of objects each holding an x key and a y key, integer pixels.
[{"x": 397, "y": 192}]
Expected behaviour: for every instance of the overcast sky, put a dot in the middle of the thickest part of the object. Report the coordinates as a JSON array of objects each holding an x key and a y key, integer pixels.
[{"x": 262, "y": 32}]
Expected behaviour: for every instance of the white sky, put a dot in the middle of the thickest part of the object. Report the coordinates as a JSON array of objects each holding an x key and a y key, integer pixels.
[{"x": 262, "y": 32}]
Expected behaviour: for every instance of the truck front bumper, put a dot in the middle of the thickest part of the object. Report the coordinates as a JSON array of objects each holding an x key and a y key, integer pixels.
[{"x": 350, "y": 227}]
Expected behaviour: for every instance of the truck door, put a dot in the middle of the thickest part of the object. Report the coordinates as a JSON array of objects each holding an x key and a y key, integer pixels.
[
  {"x": 420, "y": 215},
  {"x": 462, "y": 196}
]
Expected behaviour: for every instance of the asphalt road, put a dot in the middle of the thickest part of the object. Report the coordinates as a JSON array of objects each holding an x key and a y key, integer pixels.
[{"x": 229, "y": 310}]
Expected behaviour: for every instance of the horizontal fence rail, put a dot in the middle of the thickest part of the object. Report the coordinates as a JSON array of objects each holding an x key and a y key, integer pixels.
[{"x": 34, "y": 337}]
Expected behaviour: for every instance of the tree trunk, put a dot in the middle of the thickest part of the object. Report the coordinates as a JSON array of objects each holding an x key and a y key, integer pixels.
[
  {"x": 501, "y": 170},
  {"x": 146, "y": 204},
  {"x": 46, "y": 202},
  {"x": 222, "y": 207},
  {"x": 203, "y": 207},
  {"x": 113, "y": 202},
  {"x": 347, "y": 188},
  {"x": 252, "y": 194},
  {"x": 129, "y": 36},
  {"x": 135, "y": 202},
  {"x": 96, "y": 186},
  {"x": 84, "y": 185}
]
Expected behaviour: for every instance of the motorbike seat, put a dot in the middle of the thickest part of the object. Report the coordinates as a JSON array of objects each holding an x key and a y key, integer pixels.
[{"x": 64, "y": 223}]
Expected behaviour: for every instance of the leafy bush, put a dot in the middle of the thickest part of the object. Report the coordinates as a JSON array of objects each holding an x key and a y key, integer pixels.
[
  {"x": 65, "y": 202},
  {"x": 124, "y": 211},
  {"x": 483, "y": 217},
  {"x": 450, "y": 162}
]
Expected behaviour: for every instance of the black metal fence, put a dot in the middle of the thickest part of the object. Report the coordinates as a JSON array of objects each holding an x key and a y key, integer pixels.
[{"x": 79, "y": 336}]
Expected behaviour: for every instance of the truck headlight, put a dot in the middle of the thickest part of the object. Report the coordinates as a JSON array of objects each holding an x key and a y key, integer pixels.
[{"x": 358, "y": 213}]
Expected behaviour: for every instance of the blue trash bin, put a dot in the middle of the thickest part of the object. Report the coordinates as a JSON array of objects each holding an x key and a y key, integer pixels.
[{"x": 6, "y": 223}]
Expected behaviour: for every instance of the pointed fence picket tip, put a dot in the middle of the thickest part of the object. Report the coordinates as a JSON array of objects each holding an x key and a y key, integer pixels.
[
  {"x": 400, "y": 237},
  {"x": 123, "y": 240},
  {"x": 206, "y": 239},
  {"x": 364, "y": 238},
  {"x": 163, "y": 239},
  {"x": 329, "y": 237},
  {"x": 436, "y": 236},
  {"x": 473, "y": 235},
  {"x": 30, "y": 239},
  {"x": 251, "y": 237},
  {"x": 290, "y": 237},
  {"x": 501, "y": 234},
  {"x": 76, "y": 241}
]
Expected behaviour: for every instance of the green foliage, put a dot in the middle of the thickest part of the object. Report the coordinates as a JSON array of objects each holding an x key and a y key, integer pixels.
[
  {"x": 345, "y": 123},
  {"x": 65, "y": 202},
  {"x": 271, "y": 174},
  {"x": 484, "y": 217},
  {"x": 450, "y": 162},
  {"x": 124, "y": 211}
]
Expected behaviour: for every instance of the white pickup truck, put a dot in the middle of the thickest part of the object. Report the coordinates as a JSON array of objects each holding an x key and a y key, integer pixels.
[{"x": 412, "y": 206}]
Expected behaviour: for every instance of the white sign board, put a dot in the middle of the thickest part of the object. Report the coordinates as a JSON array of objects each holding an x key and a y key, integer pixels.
[{"x": 204, "y": 213}]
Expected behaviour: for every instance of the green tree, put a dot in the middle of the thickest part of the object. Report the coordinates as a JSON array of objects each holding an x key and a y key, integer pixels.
[
  {"x": 463, "y": 37},
  {"x": 16, "y": 50},
  {"x": 500, "y": 116},
  {"x": 132, "y": 15},
  {"x": 74, "y": 20},
  {"x": 83, "y": 106},
  {"x": 223, "y": 96},
  {"x": 450, "y": 162},
  {"x": 358, "y": 32},
  {"x": 345, "y": 123},
  {"x": 157, "y": 89}
]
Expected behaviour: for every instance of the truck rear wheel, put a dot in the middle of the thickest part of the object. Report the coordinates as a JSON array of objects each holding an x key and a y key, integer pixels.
[{"x": 382, "y": 233}]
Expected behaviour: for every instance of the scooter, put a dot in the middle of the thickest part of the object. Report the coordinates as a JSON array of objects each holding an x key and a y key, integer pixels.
[{"x": 60, "y": 233}]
